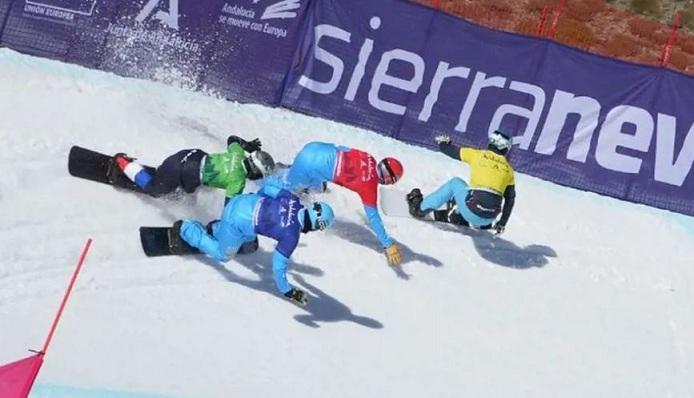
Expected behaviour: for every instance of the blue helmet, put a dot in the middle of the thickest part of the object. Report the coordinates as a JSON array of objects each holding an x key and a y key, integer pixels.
[{"x": 321, "y": 216}]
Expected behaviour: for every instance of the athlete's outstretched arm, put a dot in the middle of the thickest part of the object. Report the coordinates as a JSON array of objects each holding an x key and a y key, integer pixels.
[
  {"x": 449, "y": 149},
  {"x": 280, "y": 263},
  {"x": 509, "y": 201},
  {"x": 248, "y": 146},
  {"x": 377, "y": 226}
]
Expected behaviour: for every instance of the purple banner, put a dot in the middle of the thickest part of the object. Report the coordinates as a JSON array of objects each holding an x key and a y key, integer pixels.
[
  {"x": 400, "y": 69},
  {"x": 254, "y": 48},
  {"x": 4, "y": 13},
  {"x": 578, "y": 119},
  {"x": 241, "y": 49},
  {"x": 68, "y": 30},
  {"x": 162, "y": 40}
]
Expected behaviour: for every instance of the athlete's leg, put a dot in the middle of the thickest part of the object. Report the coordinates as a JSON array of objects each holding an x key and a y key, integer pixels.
[{"x": 454, "y": 188}]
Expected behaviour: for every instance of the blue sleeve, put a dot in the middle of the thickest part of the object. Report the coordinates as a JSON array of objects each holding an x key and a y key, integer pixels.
[
  {"x": 289, "y": 240},
  {"x": 272, "y": 186},
  {"x": 377, "y": 226},
  {"x": 195, "y": 235},
  {"x": 279, "y": 271}
]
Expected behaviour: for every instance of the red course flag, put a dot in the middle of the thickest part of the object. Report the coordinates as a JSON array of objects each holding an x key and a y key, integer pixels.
[{"x": 16, "y": 378}]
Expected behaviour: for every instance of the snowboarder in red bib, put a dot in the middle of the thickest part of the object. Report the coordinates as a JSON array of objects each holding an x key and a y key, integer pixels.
[{"x": 358, "y": 171}]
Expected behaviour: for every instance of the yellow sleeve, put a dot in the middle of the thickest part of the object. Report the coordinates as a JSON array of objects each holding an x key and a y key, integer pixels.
[{"x": 467, "y": 155}]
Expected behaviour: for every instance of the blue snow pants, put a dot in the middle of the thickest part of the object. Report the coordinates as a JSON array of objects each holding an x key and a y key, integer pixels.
[{"x": 455, "y": 188}]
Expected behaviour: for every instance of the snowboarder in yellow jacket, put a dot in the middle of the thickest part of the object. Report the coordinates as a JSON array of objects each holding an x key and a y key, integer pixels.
[{"x": 491, "y": 190}]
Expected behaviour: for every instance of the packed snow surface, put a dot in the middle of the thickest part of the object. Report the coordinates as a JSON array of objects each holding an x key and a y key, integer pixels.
[{"x": 583, "y": 296}]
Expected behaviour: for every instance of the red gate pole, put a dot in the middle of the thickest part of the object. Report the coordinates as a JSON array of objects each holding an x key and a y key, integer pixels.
[
  {"x": 557, "y": 13},
  {"x": 671, "y": 40},
  {"x": 66, "y": 296},
  {"x": 541, "y": 22}
]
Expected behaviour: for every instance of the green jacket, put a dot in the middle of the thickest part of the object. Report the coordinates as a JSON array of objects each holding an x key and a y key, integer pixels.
[{"x": 225, "y": 170}]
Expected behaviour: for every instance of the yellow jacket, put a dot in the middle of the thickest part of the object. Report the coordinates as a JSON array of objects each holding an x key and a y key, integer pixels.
[{"x": 488, "y": 170}]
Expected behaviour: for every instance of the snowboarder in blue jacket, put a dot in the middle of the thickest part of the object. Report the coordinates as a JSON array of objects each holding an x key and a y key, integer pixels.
[{"x": 272, "y": 212}]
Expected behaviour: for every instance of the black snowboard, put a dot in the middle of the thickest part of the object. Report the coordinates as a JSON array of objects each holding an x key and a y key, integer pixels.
[
  {"x": 95, "y": 166},
  {"x": 166, "y": 241}
]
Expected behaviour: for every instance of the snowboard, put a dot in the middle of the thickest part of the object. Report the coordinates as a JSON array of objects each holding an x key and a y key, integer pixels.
[
  {"x": 98, "y": 167},
  {"x": 393, "y": 203},
  {"x": 166, "y": 241}
]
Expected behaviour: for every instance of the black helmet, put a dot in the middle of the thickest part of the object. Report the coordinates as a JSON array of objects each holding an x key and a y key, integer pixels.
[{"x": 259, "y": 164}]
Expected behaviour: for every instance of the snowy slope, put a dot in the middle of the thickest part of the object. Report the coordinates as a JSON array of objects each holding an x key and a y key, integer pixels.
[{"x": 584, "y": 296}]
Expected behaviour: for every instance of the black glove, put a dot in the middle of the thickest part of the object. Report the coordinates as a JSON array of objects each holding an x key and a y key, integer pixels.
[
  {"x": 248, "y": 146},
  {"x": 252, "y": 146},
  {"x": 443, "y": 139},
  {"x": 297, "y": 295},
  {"x": 499, "y": 228}
]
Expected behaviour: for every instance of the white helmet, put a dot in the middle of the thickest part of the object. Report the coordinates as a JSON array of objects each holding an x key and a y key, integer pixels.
[
  {"x": 262, "y": 162},
  {"x": 500, "y": 141}
]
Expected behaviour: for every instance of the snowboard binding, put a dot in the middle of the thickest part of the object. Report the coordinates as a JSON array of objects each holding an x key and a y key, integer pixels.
[{"x": 414, "y": 200}]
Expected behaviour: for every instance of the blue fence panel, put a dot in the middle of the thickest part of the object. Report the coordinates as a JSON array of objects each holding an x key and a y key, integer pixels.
[
  {"x": 587, "y": 96},
  {"x": 4, "y": 14},
  {"x": 578, "y": 119},
  {"x": 254, "y": 48},
  {"x": 470, "y": 73},
  {"x": 338, "y": 57},
  {"x": 400, "y": 69},
  {"x": 67, "y": 30},
  {"x": 163, "y": 40},
  {"x": 668, "y": 181}
]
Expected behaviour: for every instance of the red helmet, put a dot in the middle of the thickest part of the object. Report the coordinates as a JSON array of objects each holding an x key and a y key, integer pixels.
[{"x": 389, "y": 171}]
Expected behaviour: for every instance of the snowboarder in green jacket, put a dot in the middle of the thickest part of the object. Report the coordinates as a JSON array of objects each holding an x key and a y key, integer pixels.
[{"x": 189, "y": 168}]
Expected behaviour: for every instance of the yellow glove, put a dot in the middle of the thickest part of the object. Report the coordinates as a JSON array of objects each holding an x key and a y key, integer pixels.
[{"x": 393, "y": 254}]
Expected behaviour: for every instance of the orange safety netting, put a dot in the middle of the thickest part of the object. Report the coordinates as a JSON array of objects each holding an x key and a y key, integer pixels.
[{"x": 591, "y": 25}]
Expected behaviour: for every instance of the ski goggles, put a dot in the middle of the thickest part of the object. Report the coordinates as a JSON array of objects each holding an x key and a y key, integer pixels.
[
  {"x": 386, "y": 174},
  {"x": 320, "y": 223}
]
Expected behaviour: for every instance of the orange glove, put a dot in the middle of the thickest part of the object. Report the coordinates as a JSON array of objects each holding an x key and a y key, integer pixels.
[{"x": 393, "y": 254}]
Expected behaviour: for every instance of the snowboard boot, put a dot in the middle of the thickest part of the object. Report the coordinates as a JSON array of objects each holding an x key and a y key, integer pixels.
[
  {"x": 450, "y": 217},
  {"x": 451, "y": 205},
  {"x": 117, "y": 166},
  {"x": 414, "y": 200},
  {"x": 176, "y": 244}
]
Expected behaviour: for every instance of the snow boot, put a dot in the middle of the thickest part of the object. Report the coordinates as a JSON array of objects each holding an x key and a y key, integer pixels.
[{"x": 414, "y": 200}]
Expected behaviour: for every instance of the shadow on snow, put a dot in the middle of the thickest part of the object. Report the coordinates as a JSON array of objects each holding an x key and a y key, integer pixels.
[
  {"x": 363, "y": 236},
  {"x": 321, "y": 306},
  {"x": 503, "y": 252}
]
